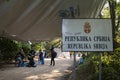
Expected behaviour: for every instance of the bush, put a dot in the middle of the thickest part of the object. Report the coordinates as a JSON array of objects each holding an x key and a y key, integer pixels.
[
  {"x": 8, "y": 49},
  {"x": 85, "y": 70},
  {"x": 109, "y": 73}
]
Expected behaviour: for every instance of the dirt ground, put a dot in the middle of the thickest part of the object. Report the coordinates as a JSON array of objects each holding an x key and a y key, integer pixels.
[{"x": 41, "y": 72}]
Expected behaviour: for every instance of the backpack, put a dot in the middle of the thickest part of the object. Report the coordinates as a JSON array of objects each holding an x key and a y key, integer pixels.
[{"x": 55, "y": 53}]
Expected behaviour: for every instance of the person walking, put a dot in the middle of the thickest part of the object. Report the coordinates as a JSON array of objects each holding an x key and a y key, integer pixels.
[{"x": 53, "y": 55}]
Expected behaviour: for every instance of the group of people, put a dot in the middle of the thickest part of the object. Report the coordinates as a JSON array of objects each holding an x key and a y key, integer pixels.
[
  {"x": 20, "y": 56},
  {"x": 31, "y": 62}
]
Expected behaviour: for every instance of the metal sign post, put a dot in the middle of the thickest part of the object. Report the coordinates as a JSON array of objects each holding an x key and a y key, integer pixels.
[
  {"x": 74, "y": 74},
  {"x": 100, "y": 66}
]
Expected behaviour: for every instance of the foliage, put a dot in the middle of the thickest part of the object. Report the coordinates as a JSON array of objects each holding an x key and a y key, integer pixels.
[
  {"x": 46, "y": 45},
  {"x": 110, "y": 66},
  {"x": 85, "y": 70},
  {"x": 109, "y": 73},
  {"x": 26, "y": 47},
  {"x": 56, "y": 43},
  {"x": 110, "y": 60},
  {"x": 105, "y": 13},
  {"x": 8, "y": 48},
  {"x": 107, "y": 66}
]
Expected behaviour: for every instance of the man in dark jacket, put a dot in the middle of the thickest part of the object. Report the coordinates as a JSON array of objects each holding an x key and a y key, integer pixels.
[
  {"x": 31, "y": 58},
  {"x": 53, "y": 55}
]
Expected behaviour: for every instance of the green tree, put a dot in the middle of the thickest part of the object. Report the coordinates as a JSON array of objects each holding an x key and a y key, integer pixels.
[
  {"x": 8, "y": 48},
  {"x": 110, "y": 60}
]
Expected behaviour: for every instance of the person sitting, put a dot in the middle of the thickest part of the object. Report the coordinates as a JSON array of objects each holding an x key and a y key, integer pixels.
[
  {"x": 81, "y": 60},
  {"x": 18, "y": 60}
]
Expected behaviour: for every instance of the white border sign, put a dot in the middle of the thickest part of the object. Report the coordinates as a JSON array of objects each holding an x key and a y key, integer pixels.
[{"x": 87, "y": 35}]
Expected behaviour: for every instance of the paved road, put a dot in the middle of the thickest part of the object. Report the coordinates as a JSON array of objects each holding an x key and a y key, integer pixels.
[{"x": 41, "y": 72}]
